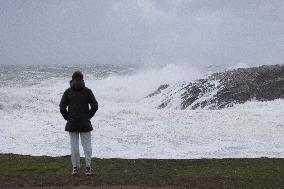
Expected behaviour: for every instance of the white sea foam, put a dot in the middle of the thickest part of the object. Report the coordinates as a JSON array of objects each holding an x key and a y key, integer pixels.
[
  {"x": 126, "y": 126},
  {"x": 238, "y": 65},
  {"x": 132, "y": 88}
]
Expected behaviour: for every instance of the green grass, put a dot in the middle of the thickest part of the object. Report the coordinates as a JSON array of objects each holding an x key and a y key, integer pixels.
[{"x": 19, "y": 170}]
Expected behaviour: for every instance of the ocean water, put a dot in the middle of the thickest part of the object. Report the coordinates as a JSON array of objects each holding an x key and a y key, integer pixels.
[{"x": 128, "y": 125}]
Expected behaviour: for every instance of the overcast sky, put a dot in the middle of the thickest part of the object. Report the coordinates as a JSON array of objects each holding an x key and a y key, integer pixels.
[{"x": 141, "y": 31}]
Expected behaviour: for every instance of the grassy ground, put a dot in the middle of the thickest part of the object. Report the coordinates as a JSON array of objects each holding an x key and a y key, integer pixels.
[{"x": 24, "y": 171}]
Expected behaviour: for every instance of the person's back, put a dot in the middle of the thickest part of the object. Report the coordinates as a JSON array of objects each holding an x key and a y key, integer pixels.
[{"x": 74, "y": 107}]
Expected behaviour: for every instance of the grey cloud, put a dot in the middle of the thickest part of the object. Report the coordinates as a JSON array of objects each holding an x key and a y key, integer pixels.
[{"x": 142, "y": 31}]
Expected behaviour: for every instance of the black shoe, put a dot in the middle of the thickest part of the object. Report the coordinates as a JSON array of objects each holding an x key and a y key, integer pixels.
[
  {"x": 75, "y": 171},
  {"x": 89, "y": 171}
]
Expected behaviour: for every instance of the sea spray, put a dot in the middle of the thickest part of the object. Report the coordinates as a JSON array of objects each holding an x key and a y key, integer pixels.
[{"x": 126, "y": 126}]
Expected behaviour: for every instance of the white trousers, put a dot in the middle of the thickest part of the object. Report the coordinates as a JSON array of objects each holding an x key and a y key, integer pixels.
[{"x": 87, "y": 147}]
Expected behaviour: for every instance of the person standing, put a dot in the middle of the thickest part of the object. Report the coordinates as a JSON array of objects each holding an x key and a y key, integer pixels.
[{"x": 77, "y": 106}]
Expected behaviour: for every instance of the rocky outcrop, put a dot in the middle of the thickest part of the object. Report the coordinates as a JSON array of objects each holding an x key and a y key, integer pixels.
[{"x": 225, "y": 89}]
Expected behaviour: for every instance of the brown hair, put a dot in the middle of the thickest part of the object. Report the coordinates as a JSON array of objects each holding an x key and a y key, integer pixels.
[{"x": 77, "y": 75}]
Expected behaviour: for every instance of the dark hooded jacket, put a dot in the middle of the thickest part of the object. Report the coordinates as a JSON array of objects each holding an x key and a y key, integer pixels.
[{"x": 74, "y": 107}]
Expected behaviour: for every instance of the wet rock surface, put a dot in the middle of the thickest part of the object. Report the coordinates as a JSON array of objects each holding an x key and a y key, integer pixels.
[{"x": 224, "y": 89}]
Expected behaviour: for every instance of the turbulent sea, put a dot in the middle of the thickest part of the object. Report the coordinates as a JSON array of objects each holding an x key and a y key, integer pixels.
[{"x": 127, "y": 124}]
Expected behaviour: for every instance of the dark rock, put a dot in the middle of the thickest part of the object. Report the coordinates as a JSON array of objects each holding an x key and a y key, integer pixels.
[
  {"x": 263, "y": 83},
  {"x": 225, "y": 89}
]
